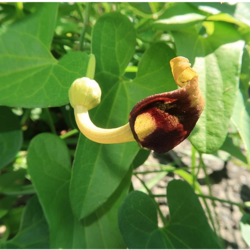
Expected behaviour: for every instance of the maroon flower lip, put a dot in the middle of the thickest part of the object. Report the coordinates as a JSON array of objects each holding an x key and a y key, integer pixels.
[{"x": 162, "y": 121}]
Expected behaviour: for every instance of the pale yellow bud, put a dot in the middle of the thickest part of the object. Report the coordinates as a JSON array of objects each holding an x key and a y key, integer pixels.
[{"x": 84, "y": 92}]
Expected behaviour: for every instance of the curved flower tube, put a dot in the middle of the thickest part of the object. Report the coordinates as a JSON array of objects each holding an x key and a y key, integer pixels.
[
  {"x": 85, "y": 94},
  {"x": 159, "y": 122}
]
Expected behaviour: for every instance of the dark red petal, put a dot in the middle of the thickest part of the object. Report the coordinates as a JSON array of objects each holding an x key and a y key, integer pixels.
[{"x": 171, "y": 117}]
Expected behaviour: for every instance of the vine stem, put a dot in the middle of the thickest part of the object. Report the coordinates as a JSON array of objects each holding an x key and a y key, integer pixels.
[
  {"x": 19, "y": 9},
  {"x": 25, "y": 116},
  {"x": 240, "y": 205},
  {"x": 50, "y": 120},
  {"x": 193, "y": 160},
  {"x": 168, "y": 169},
  {"x": 85, "y": 23},
  {"x": 68, "y": 134},
  {"x": 217, "y": 230},
  {"x": 150, "y": 194}
]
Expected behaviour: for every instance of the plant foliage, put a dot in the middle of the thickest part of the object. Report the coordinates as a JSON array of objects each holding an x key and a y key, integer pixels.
[{"x": 58, "y": 189}]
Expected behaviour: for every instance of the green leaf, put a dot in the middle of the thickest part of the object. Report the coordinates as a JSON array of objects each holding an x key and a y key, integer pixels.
[
  {"x": 233, "y": 13},
  {"x": 8, "y": 12},
  {"x": 113, "y": 44},
  {"x": 97, "y": 172},
  {"x": 154, "y": 74},
  {"x": 245, "y": 70},
  {"x": 233, "y": 149},
  {"x": 65, "y": 23},
  {"x": 140, "y": 158},
  {"x": 245, "y": 228},
  {"x": 3, "y": 212},
  {"x": 218, "y": 80},
  {"x": 12, "y": 179},
  {"x": 22, "y": 190},
  {"x": 11, "y": 136},
  {"x": 34, "y": 231},
  {"x": 241, "y": 119},
  {"x": 138, "y": 221},
  {"x": 30, "y": 76},
  {"x": 242, "y": 12},
  {"x": 12, "y": 221},
  {"x": 143, "y": 8},
  {"x": 215, "y": 7},
  {"x": 7, "y": 202},
  {"x": 225, "y": 18},
  {"x": 180, "y": 16},
  {"x": 146, "y": 9},
  {"x": 102, "y": 229},
  {"x": 49, "y": 167}
]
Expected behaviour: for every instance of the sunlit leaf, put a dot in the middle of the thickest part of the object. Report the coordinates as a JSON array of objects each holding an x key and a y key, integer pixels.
[
  {"x": 29, "y": 75},
  {"x": 180, "y": 16},
  {"x": 218, "y": 80}
]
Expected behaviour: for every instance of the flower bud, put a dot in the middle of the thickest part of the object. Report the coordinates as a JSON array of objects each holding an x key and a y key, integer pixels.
[{"x": 84, "y": 92}]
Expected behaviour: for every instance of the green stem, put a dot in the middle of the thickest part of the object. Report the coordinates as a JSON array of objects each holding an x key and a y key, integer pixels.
[
  {"x": 193, "y": 164},
  {"x": 210, "y": 194},
  {"x": 157, "y": 205},
  {"x": 51, "y": 124},
  {"x": 63, "y": 37},
  {"x": 152, "y": 7},
  {"x": 70, "y": 133},
  {"x": 240, "y": 205},
  {"x": 25, "y": 116},
  {"x": 19, "y": 9},
  {"x": 85, "y": 23},
  {"x": 198, "y": 171},
  {"x": 150, "y": 172},
  {"x": 168, "y": 168},
  {"x": 117, "y": 6}
]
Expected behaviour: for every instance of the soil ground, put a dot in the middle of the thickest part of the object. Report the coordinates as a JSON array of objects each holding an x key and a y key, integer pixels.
[{"x": 228, "y": 181}]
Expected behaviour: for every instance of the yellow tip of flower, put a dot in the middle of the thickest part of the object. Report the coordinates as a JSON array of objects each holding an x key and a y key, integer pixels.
[{"x": 181, "y": 70}]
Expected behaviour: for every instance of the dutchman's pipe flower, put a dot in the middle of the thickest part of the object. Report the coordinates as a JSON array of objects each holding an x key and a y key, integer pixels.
[{"x": 159, "y": 122}]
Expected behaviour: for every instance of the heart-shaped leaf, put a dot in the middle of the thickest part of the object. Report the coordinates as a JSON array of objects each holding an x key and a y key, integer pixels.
[
  {"x": 49, "y": 167},
  {"x": 187, "y": 228},
  {"x": 29, "y": 75}
]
